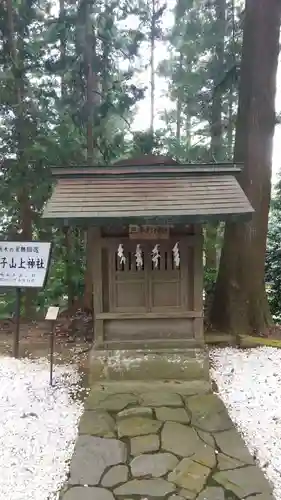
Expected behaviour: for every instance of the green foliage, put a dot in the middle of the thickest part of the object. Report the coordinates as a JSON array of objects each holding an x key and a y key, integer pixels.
[
  {"x": 273, "y": 255},
  {"x": 210, "y": 276},
  {"x": 49, "y": 113},
  {"x": 45, "y": 112},
  {"x": 195, "y": 75},
  {"x": 273, "y": 260}
]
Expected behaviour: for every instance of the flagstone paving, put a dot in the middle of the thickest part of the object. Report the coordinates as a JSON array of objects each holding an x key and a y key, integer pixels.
[{"x": 174, "y": 441}]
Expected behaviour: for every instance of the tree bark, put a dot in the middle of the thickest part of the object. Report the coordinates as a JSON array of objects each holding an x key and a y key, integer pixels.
[
  {"x": 230, "y": 127},
  {"x": 240, "y": 304},
  {"x": 152, "y": 66},
  {"x": 216, "y": 110},
  {"x": 92, "y": 99},
  {"x": 231, "y": 99},
  {"x": 62, "y": 49},
  {"x": 179, "y": 98},
  {"x": 216, "y": 124},
  {"x": 16, "y": 50},
  {"x": 69, "y": 268},
  {"x": 68, "y": 233}
]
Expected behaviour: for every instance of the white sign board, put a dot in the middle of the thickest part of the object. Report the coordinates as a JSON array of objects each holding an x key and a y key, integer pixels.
[
  {"x": 52, "y": 313},
  {"x": 24, "y": 264}
]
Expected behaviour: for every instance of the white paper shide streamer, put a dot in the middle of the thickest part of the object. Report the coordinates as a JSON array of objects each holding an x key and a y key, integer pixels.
[
  {"x": 176, "y": 255},
  {"x": 155, "y": 256},
  {"x": 120, "y": 253},
  {"x": 138, "y": 255}
]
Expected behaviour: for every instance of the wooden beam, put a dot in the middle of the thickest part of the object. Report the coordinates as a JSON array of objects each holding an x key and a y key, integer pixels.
[
  {"x": 97, "y": 285},
  {"x": 150, "y": 315},
  {"x": 198, "y": 285}
]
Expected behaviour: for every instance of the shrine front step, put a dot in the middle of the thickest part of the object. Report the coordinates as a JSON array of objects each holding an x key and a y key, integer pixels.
[
  {"x": 152, "y": 344},
  {"x": 149, "y": 364}
]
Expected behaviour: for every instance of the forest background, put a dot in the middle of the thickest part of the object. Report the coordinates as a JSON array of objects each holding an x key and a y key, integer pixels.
[{"x": 76, "y": 80}]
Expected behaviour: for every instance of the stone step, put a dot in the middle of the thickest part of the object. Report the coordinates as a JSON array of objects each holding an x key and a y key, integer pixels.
[
  {"x": 188, "y": 364},
  {"x": 152, "y": 344}
]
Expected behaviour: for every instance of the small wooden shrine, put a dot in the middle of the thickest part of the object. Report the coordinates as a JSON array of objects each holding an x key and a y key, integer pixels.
[{"x": 147, "y": 243}]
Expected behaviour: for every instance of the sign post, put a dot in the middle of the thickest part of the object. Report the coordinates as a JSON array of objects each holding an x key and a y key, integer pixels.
[
  {"x": 17, "y": 323},
  {"x": 52, "y": 315},
  {"x": 23, "y": 264}
]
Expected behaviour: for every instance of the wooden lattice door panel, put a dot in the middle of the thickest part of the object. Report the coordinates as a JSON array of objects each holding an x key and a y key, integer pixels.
[
  {"x": 147, "y": 289},
  {"x": 165, "y": 295},
  {"x": 127, "y": 291},
  {"x": 165, "y": 281}
]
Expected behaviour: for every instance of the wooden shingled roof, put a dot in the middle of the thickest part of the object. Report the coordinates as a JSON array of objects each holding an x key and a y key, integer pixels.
[{"x": 157, "y": 194}]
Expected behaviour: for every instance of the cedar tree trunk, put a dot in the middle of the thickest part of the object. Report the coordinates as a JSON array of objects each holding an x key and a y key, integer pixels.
[{"x": 240, "y": 304}]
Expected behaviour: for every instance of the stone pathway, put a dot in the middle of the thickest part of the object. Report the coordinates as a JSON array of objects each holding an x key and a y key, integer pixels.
[{"x": 174, "y": 441}]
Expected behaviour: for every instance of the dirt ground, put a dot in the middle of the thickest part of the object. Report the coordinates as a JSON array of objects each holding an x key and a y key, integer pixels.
[
  {"x": 35, "y": 342},
  {"x": 73, "y": 338}
]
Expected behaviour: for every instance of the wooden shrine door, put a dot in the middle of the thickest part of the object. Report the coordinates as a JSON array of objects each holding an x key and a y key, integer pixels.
[
  {"x": 149, "y": 288},
  {"x": 150, "y": 305}
]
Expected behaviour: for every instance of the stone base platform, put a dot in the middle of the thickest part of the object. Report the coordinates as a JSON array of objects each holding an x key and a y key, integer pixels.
[
  {"x": 163, "y": 364},
  {"x": 157, "y": 440}
]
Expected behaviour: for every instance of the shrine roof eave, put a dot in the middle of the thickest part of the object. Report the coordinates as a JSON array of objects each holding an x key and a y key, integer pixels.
[
  {"x": 127, "y": 171},
  {"x": 167, "y": 199},
  {"x": 153, "y": 220}
]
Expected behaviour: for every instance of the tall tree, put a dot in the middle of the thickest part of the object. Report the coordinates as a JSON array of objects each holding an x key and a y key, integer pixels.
[
  {"x": 240, "y": 303},
  {"x": 205, "y": 45},
  {"x": 218, "y": 75},
  {"x": 156, "y": 13},
  {"x": 44, "y": 112},
  {"x": 23, "y": 128},
  {"x": 216, "y": 119}
]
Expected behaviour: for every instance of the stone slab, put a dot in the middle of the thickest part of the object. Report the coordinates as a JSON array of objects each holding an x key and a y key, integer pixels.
[
  {"x": 158, "y": 398},
  {"x": 231, "y": 444},
  {"x": 99, "y": 394},
  {"x": 205, "y": 455},
  {"x": 176, "y": 497},
  {"x": 196, "y": 387},
  {"x": 208, "y": 413},
  {"x": 179, "y": 415},
  {"x": 207, "y": 438},
  {"x": 118, "y": 402},
  {"x": 150, "y": 487},
  {"x": 190, "y": 475},
  {"x": 154, "y": 466},
  {"x": 99, "y": 460},
  {"x": 265, "y": 496},
  {"x": 137, "y": 426},
  {"x": 146, "y": 364},
  {"x": 243, "y": 482},
  {"x": 95, "y": 397},
  {"x": 227, "y": 463},
  {"x": 144, "y": 444},
  {"x": 97, "y": 423},
  {"x": 92, "y": 456},
  {"x": 116, "y": 475},
  {"x": 139, "y": 411},
  {"x": 212, "y": 493},
  {"x": 179, "y": 439},
  {"x": 101, "y": 390},
  {"x": 80, "y": 493},
  {"x": 187, "y": 495}
]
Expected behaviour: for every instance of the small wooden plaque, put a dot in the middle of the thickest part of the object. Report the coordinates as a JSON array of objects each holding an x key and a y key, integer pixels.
[
  {"x": 149, "y": 232},
  {"x": 52, "y": 313}
]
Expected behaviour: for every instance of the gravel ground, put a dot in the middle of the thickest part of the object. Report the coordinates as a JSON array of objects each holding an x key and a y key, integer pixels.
[
  {"x": 249, "y": 383},
  {"x": 38, "y": 427}
]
